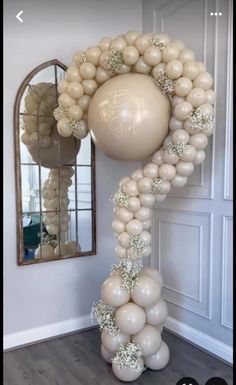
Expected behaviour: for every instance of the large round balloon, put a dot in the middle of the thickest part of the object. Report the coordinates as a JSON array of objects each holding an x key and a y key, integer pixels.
[
  {"x": 62, "y": 151},
  {"x": 128, "y": 117}
]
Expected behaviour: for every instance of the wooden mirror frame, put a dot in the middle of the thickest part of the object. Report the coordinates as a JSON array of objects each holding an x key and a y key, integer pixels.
[{"x": 20, "y": 238}]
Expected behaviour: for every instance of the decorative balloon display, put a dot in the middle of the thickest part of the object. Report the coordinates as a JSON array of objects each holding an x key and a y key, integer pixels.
[{"x": 140, "y": 95}]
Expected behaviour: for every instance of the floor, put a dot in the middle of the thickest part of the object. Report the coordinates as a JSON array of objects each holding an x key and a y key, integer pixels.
[{"x": 75, "y": 360}]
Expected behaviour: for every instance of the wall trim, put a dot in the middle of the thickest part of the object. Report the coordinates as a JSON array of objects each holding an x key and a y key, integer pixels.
[
  {"x": 210, "y": 344},
  {"x": 29, "y": 336}
]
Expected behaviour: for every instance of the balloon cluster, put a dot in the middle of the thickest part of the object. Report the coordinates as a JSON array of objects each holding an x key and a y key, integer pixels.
[
  {"x": 56, "y": 219},
  {"x": 175, "y": 72},
  {"x": 131, "y": 313},
  {"x": 55, "y": 199},
  {"x": 39, "y": 100},
  {"x": 131, "y": 341}
]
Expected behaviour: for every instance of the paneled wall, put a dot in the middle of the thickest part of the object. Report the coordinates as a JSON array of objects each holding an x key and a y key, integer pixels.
[{"x": 192, "y": 228}]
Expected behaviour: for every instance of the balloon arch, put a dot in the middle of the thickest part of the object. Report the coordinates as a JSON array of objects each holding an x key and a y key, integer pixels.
[{"x": 141, "y": 95}]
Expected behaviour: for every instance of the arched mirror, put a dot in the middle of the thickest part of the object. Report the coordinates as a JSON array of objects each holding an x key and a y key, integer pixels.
[{"x": 55, "y": 176}]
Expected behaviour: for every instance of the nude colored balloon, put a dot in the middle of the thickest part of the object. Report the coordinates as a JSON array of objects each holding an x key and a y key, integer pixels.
[
  {"x": 150, "y": 170},
  {"x": 167, "y": 171},
  {"x": 204, "y": 80},
  {"x": 146, "y": 292},
  {"x": 143, "y": 214},
  {"x": 179, "y": 181},
  {"x": 184, "y": 168},
  {"x": 149, "y": 339},
  {"x": 101, "y": 75},
  {"x": 174, "y": 69},
  {"x": 145, "y": 185},
  {"x": 66, "y": 100},
  {"x": 210, "y": 96},
  {"x": 157, "y": 314},
  {"x": 121, "y": 252},
  {"x": 128, "y": 374},
  {"x": 170, "y": 158},
  {"x": 180, "y": 136},
  {"x": 186, "y": 55},
  {"x": 106, "y": 355},
  {"x": 93, "y": 54},
  {"x": 141, "y": 43},
  {"x": 152, "y": 55},
  {"x": 130, "y": 318},
  {"x": 69, "y": 148},
  {"x": 137, "y": 174},
  {"x": 112, "y": 292},
  {"x": 83, "y": 102},
  {"x": 146, "y": 237},
  {"x": 131, "y": 188},
  {"x": 123, "y": 239},
  {"x": 141, "y": 66},
  {"x": 200, "y": 157},
  {"x": 157, "y": 157},
  {"x": 189, "y": 154},
  {"x": 182, "y": 86},
  {"x": 196, "y": 97},
  {"x": 130, "y": 55},
  {"x": 182, "y": 110},
  {"x": 125, "y": 125},
  {"x": 134, "y": 227},
  {"x": 44, "y": 252},
  {"x": 75, "y": 112},
  {"x": 179, "y": 43},
  {"x": 170, "y": 52},
  {"x": 199, "y": 141},
  {"x": 134, "y": 204},
  {"x": 105, "y": 43},
  {"x": 158, "y": 360},
  {"x": 154, "y": 273},
  {"x": 111, "y": 343},
  {"x": 124, "y": 215},
  {"x": 118, "y": 226},
  {"x": 62, "y": 86},
  {"x": 158, "y": 69},
  {"x": 87, "y": 70},
  {"x": 147, "y": 200},
  {"x": 191, "y": 70},
  {"x": 130, "y": 36},
  {"x": 72, "y": 74},
  {"x": 75, "y": 90},
  {"x": 146, "y": 224}
]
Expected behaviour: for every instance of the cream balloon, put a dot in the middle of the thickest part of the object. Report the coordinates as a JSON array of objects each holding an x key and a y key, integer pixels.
[
  {"x": 158, "y": 360},
  {"x": 111, "y": 343},
  {"x": 179, "y": 181},
  {"x": 150, "y": 170},
  {"x": 127, "y": 374},
  {"x": 149, "y": 340},
  {"x": 146, "y": 292},
  {"x": 131, "y": 188},
  {"x": 130, "y": 318},
  {"x": 147, "y": 200},
  {"x": 137, "y": 174},
  {"x": 118, "y": 226},
  {"x": 124, "y": 124},
  {"x": 157, "y": 314},
  {"x": 112, "y": 292},
  {"x": 123, "y": 239},
  {"x": 154, "y": 273},
  {"x": 143, "y": 214},
  {"x": 134, "y": 204},
  {"x": 107, "y": 356},
  {"x": 134, "y": 227}
]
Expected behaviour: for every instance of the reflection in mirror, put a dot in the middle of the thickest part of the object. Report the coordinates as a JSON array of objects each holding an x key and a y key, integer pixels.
[{"x": 55, "y": 176}]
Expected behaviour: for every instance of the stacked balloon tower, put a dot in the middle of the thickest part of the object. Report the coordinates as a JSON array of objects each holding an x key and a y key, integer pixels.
[{"x": 141, "y": 96}]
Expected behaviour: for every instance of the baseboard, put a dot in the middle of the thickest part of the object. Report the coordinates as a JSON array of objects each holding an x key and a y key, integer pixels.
[
  {"x": 26, "y": 337},
  {"x": 217, "y": 348}
]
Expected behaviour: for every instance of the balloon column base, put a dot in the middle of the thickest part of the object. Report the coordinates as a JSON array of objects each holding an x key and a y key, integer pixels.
[{"x": 132, "y": 321}]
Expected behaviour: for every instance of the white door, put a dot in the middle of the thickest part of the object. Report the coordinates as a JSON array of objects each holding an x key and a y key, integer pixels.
[{"x": 192, "y": 228}]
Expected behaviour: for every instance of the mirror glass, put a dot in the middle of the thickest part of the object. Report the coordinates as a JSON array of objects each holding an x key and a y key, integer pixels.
[{"x": 55, "y": 176}]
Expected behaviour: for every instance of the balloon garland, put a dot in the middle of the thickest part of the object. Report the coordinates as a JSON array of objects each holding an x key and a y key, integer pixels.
[{"x": 131, "y": 312}]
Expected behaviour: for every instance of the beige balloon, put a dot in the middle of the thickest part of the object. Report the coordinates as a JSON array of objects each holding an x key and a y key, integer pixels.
[
  {"x": 130, "y": 318},
  {"x": 149, "y": 339},
  {"x": 112, "y": 342},
  {"x": 112, "y": 292},
  {"x": 146, "y": 292},
  {"x": 48, "y": 157},
  {"x": 107, "y": 356},
  {"x": 128, "y": 374},
  {"x": 160, "y": 359},
  {"x": 123, "y": 123},
  {"x": 157, "y": 314},
  {"x": 154, "y": 273}
]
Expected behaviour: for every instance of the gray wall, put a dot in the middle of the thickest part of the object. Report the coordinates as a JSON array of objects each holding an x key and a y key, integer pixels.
[{"x": 61, "y": 290}]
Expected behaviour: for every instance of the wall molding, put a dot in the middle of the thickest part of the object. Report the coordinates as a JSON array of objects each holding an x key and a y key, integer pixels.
[
  {"x": 29, "y": 336},
  {"x": 210, "y": 344}
]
